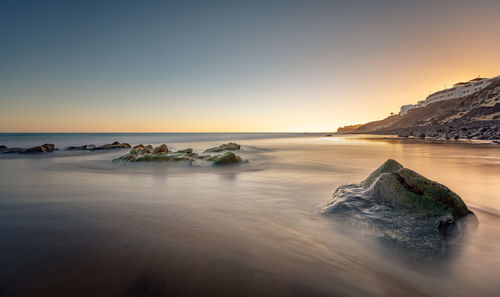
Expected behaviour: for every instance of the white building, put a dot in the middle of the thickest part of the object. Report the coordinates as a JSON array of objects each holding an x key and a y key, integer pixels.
[{"x": 458, "y": 90}]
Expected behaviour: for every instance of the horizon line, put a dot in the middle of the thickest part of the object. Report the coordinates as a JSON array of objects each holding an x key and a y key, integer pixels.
[{"x": 198, "y": 132}]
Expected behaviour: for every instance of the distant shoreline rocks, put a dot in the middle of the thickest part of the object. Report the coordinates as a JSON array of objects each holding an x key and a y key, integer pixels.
[
  {"x": 91, "y": 147},
  {"x": 49, "y": 147},
  {"x": 401, "y": 206},
  {"x": 485, "y": 131},
  {"x": 44, "y": 148}
]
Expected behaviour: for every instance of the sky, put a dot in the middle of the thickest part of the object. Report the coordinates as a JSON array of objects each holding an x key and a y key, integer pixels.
[{"x": 233, "y": 66}]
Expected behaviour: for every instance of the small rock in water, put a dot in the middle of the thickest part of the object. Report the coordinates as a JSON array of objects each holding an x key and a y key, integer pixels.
[
  {"x": 12, "y": 150},
  {"x": 401, "y": 206},
  {"x": 114, "y": 145},
  {"x": 161, "y": 149},
  {"x": 44, "y": 148},
  {"x": 84, "y": 147},
  {"x": 185, "y": 151},
  {"x": 231, "y": 146}
]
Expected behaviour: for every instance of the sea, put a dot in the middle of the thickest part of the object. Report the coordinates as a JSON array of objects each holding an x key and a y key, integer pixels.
[{"x": 75, "y": 223}]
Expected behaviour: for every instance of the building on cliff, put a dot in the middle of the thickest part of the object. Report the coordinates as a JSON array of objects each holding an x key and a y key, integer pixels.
[{"x": 458, "y": 90}]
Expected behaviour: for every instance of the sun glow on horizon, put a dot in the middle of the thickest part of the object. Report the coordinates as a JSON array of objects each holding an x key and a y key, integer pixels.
[{"x": 189, "y": 68}]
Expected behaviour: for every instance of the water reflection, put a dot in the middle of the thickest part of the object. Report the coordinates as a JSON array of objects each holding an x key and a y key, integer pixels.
[{"x": 81, "y": 224}]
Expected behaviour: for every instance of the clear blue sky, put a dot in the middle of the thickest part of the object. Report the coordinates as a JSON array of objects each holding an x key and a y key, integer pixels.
[{"x": 232, "y": 65}]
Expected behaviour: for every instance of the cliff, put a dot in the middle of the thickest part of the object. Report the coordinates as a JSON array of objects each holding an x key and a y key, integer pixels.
[
  {"x": 348, "y": 129},
  {"x": 476, "y": 116}
]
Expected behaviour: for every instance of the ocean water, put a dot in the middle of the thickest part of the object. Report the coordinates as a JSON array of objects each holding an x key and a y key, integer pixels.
[{"x": 77, "y": 224}]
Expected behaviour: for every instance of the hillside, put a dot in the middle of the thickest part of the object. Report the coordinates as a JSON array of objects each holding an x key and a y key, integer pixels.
[
  {"x": 348, "y": 129},
  {"x": 476, "y": 116}
]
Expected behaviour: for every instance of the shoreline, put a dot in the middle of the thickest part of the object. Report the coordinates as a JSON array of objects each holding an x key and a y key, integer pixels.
[{"x": 428, "y": 140}]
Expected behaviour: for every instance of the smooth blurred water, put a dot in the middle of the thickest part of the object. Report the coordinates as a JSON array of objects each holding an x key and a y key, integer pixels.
[{"x": 76, "y": 224}]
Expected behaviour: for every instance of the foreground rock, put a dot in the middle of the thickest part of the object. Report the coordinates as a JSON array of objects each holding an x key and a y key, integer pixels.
[
  {"x": 142, "y": 153},
  {"x": 44, "y": 148},
  {"x": 401, "y": 206},
  {"x": 91, "y": 147},
  {"x": 231, "y": 146}
]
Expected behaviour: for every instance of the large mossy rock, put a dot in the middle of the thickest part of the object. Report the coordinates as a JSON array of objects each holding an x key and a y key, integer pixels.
[
  {"x": 399, "y": 187},
  {"x": 401, "y": 205}
]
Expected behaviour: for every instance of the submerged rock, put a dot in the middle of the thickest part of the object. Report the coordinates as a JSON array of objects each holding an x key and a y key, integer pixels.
[
  {"x": 186, "y": 151},
  {"x": 400, "y": 205},
  {"x": 231, "y": 146},
  {"x": 12, "y": 150},
  {"x": 114, "y": 145},
  {"x": 141, "y": 153}
]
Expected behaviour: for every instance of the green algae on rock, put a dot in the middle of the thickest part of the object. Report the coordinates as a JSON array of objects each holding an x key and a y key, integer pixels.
[
  {"x": 225, "y": 159},
  {"x": 393, "y": 185},
  {"x": 141, "y": 153},
  {"x": 401, "y": 205}
]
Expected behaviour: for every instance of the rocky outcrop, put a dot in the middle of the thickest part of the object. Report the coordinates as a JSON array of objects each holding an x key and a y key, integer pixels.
[
  {"x": 161, "y": 149},
  {"x": 91, "y": 147},
  {"x": 44, "y": 148},
  {"x": 231, "y": 146},
  {"x": 401, "y": 206},
  {"x": 142, "y": 153},
  {"x": 349, "y": 128}
]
